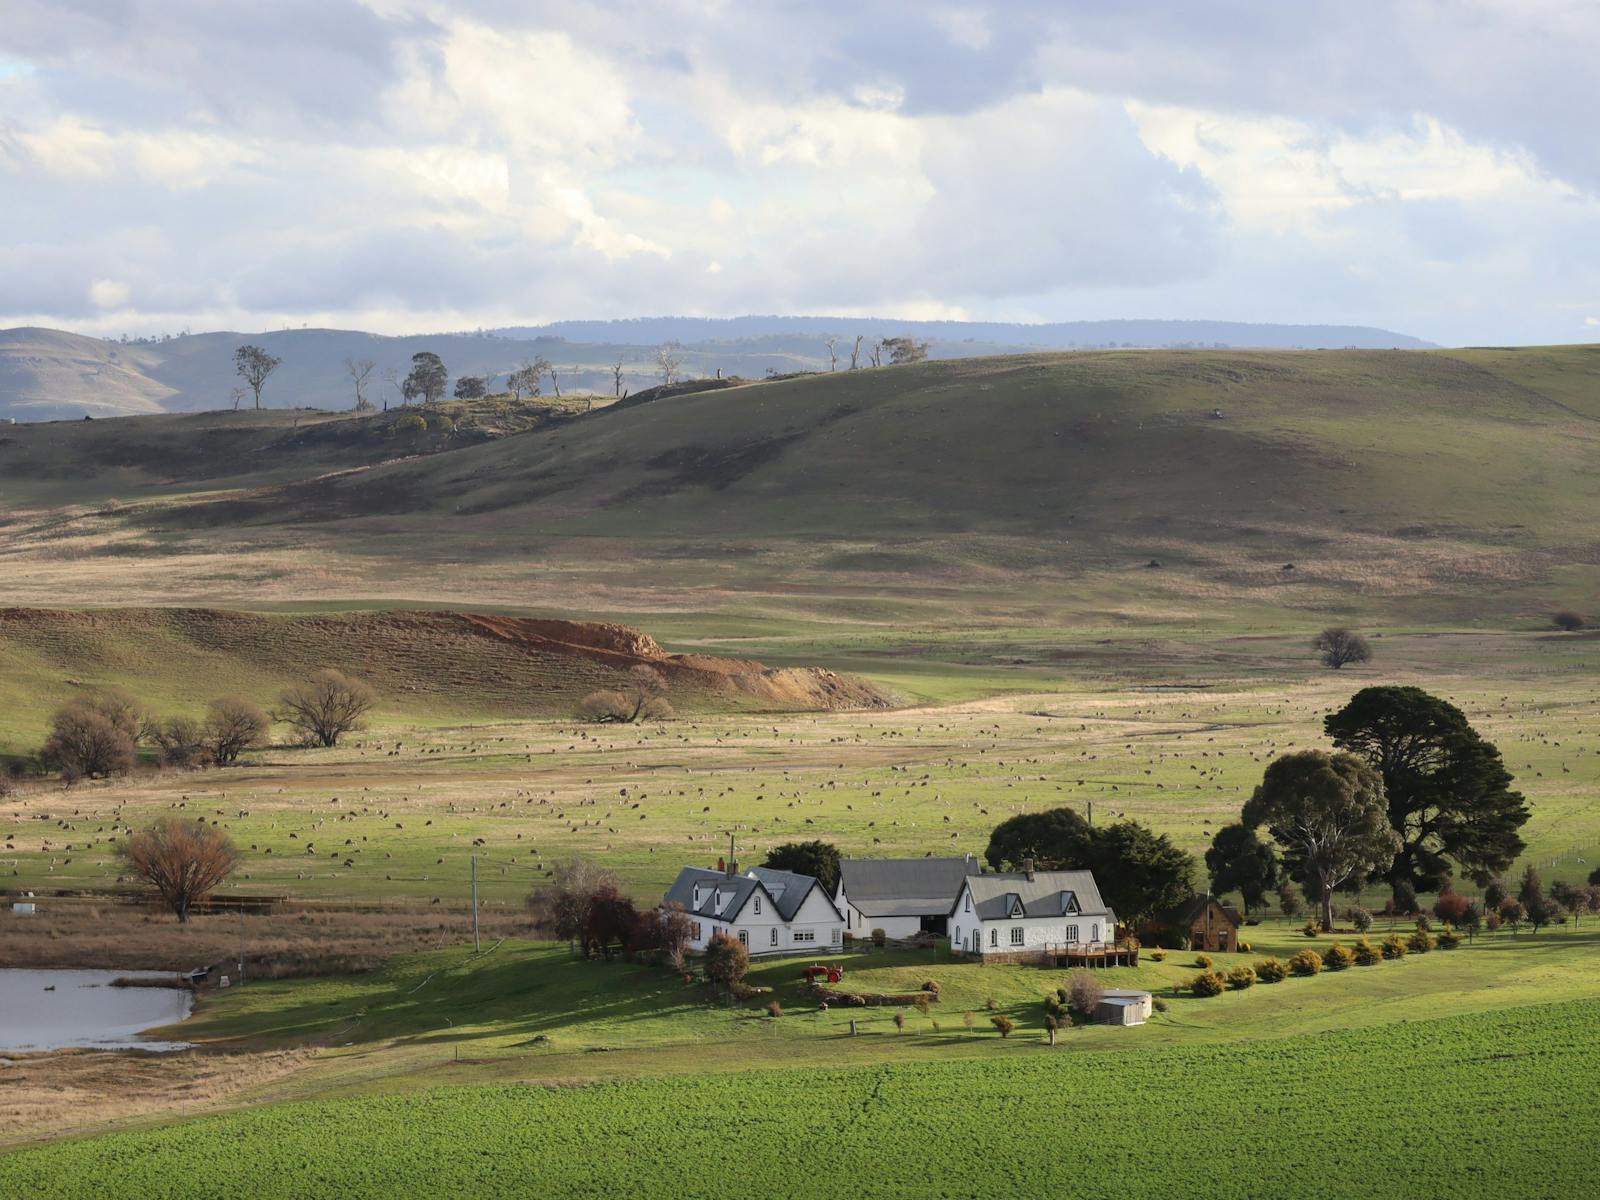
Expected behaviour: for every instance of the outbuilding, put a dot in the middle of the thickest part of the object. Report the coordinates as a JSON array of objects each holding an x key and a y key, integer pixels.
[
  {"x": 1123, "y": 1006},
  {"x": 1203, "y": 921}
]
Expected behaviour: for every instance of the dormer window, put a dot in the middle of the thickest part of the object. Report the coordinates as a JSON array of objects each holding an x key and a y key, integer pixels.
[
  {"x": 697, "y": 895},
  {"x": 1016, "y": 907}
]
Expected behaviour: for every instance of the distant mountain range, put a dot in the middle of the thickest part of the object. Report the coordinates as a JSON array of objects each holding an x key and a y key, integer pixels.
[{"x": 48, "y": 374}]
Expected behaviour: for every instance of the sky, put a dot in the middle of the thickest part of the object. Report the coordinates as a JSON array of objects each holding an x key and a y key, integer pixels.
[{"x": 1431, "y": 168}]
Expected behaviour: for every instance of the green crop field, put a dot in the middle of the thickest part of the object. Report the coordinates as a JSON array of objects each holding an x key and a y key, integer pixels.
[{"x": 1449, "y": 1107}]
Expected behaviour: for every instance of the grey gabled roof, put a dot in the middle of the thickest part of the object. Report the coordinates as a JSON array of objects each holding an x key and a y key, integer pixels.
[
  {"x": 1047, "y": 894},
  {"x": 785, "y": 890},
  {"x": 892, "y": 887}
]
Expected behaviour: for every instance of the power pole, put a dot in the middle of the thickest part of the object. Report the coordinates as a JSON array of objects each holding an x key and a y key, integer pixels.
[
  {"x": 477, "y": 945},
  {"x": 241, "y": 945}
]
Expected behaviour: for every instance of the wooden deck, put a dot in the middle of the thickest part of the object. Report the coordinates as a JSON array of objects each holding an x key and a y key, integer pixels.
[{"x": 1094, "y": 957}]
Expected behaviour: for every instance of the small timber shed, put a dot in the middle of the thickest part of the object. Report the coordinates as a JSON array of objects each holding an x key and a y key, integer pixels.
[{"x": 1121, "y": 1006}]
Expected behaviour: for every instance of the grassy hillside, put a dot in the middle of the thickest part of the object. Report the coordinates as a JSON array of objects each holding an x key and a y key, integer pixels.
[{"x": 1422, "y": 486}]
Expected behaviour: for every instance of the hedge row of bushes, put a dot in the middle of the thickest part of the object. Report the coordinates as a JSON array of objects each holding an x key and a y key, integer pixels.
[
  {"x": 873, "y": 999},
  {"x": 1336, "y": 957}
]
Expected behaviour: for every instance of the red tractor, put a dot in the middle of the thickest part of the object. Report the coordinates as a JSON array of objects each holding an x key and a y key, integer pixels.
[{"x": 818, "y": 971}]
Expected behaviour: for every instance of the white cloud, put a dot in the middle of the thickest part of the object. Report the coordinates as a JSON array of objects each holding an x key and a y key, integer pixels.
[{"x": 108, "y": 293}]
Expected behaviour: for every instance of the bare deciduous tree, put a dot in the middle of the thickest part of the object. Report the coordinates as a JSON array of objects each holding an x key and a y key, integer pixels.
[
  {"x": 855, "y": 352},
  {"x": 253, "y": 365},
  {"x": 616, "y": 377},
  {"x": 833, "y": 356},
  {"x": 182, "y": 860},
  {"x": 555, "y": 386},
  {"x": 233, "y": 725},
  {"x": 84, "y": 742},
  {"x": 181, "y": 741},
  {"x": 668, "y": 364},
  {"x": 640, "y": 699},
  {"x": 359, "y": 370},
  {"x": 877, "y": 353},
  {"x": 326, "y": 706}
]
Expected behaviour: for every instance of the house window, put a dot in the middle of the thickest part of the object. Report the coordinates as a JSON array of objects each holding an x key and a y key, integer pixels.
[
  {"x": 1072, "y": 935},
  {"x": 744, "y": 937},
  {"x": 697, "y": 895},
  {"x": 1016, "y": 935},
  {"x": 1094, "y": 933},
  {"x": 968, "y": 906},
  {"x": 836, "y": 934},
  {"x": 994, "y": 937},
  {"x": 805, "y": 935},
  {"x": 774, "y": 935},
  {"x": 697, "y": 931},
  {"x": 758, "y": 906}
]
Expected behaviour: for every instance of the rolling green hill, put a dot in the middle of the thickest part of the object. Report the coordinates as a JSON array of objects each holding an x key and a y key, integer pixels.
[{"x": 1153, "y": 486}]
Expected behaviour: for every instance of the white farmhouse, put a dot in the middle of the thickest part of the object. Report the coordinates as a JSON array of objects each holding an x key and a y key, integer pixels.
[
  {"x": 1029, "y": 915},
  {"x": 901, "y": 896},
  {"x": 770, "y": 912}
]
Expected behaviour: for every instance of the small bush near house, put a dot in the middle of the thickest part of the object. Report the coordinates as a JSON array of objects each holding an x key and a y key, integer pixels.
[
  {"x": 1449, "y": 939},
  {"x": 774, "y": 1009},
  {"x": 1309, "y": 929},
  {"x": 1003, "y": 1023},
  {"x": 1246, "y": 948},
  {"x": 1337, "y": 957},
  {"x": 1240, "y": 978},
  {"x": 1159, "y": 1004},
  {"x": 1394, "y": 947},
  {"x": 1367, "y": 955},
  {"x": 1423, "y": 923},
  {"x": 1085, "y": 993},
  {"x": 1420, "y": 942},
  {"x": 1208, "y": 983},
  {"x": 879, "y": 937},
  {"x": 1272, "y": 970},
  {"x": 1307, "y": 962},
  {"x": 1203, "y": 961},
  {"x": 1158, "y": 956}
]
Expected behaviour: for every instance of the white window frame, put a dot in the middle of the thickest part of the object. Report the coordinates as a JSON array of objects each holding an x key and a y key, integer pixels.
[
  {"x": 804, "y": 935},
  {"x": 758, "y": 904},
  {"x": 744, "y": 938},
  {"x": 1072, "y": 935},
  {"x": 774, "y": 935},
  {"x": 994, "y": 937},
  {"x": 968, "y": 906},
  {"x": 1017, "y": 935},
  {"x": 837, "y": 934}
]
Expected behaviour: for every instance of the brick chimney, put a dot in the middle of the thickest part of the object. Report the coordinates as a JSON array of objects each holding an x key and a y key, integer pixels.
[{"x": 1027, "y": 869}]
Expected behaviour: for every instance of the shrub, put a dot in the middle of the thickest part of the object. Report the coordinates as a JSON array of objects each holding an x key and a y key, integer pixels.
[
  {"x": 1367, "y": 954},
  {"x": 1423, "y": 923},
  {"x": 1307, "y": 962},
  {"x": 1208, "y": 983},
  {"x": 1272, "y": 970},
  {"x": 1394, "y": 947},
  {"x": 410, "y": 424},
  {"x": 879, "y": 938},
  {"x": 1203, "y": 961},
  {"x": 1361, "y": 919},
  {"x": 1158, "y": 956},
  {"x": 1420, "y": 942},
  {"x": 991, "y": 1004},
  {"x": 1309, "y": 929},
  {"x": 1337, "y": 957},
  {"x": 923, "y": 1003},
  {"x": 900, "y": 1020},
  {"x": 1449, "y": 939},
  {"x": 931, "y": 986},
  {"x": 726, "y": 961},
  {"x": 85, "y": 742},
  {"x": 774, "y": 1009},
  {"x": 1241, "y": 977},
  {"x": 1246, "y": 948},
  {"x": 1003, "y": 1023},
  {"x": 1158, "y": 1004},
  {"x": 1085, "y": 993}
]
